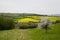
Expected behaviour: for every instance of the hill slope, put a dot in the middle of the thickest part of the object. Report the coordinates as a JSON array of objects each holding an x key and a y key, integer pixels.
[{"x": 31, "y": 34}]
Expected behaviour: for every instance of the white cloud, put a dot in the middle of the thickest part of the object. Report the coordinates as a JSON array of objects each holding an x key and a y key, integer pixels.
[{"x": 30, "y": 6}]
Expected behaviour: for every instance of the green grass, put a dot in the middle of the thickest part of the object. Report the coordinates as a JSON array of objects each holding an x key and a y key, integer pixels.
[
  {"x": 14, "y": 34},
  {"x": 31, "y": 34},
  {"x": 53, "y": 34}
]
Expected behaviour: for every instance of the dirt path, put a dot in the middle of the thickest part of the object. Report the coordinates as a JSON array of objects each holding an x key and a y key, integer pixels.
[{"x": 23, "y": 35}]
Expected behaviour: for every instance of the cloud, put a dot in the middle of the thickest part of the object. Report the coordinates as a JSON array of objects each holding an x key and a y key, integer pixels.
[{"x": 30, "y": 6}]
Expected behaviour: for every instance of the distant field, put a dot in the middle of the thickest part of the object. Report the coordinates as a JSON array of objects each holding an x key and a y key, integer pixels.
[
  {"x": 37, "y": 18},
  {"x": 27, "y": 20},
  {"x": 31, "y": 34}
]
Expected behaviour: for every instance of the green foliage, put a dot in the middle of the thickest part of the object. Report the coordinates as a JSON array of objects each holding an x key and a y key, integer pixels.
[
  {"x": 6, "y": 23},
  {"x": 28, "y": 25},
  {"x": 57, "y": 21}
]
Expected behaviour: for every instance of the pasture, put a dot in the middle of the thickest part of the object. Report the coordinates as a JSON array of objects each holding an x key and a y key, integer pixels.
[{"x": 31, "y": 34}]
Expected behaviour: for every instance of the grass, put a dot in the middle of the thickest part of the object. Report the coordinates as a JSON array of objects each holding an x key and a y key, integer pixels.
[
  {"x": 31, "y": 34},
  {"x": 53, "y": 34},
  {"x": 15, "y": 34}
]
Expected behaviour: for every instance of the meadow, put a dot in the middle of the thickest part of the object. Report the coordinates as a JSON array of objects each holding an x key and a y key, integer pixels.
[{"x": 31, "y": 34}]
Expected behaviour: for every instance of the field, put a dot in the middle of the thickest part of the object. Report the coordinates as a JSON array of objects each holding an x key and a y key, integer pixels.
[
  {"x": 37, "y": 18},
  {"x": 31, "y": 34}
]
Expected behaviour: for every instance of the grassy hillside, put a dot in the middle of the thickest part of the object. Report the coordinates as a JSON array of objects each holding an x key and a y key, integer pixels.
[
  {"x": 31, "y": 34},
  {"x": 53, "y": 34}
]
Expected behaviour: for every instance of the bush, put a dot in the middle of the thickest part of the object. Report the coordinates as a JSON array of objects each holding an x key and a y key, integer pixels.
[
  {"x": 57, "y": 21},
  {"x": 28, "y": 25},
  {"x": 6, "y": 23}
]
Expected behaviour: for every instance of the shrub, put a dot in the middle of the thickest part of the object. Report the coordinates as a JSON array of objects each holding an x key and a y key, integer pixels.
[
  {"x": 57, "y": 21},
  {"x": 6, "y": 23},
  {"x": 28, "y": 25}
]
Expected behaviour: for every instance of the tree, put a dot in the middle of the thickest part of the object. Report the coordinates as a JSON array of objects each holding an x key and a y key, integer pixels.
[{"x": 45, "y": 24}]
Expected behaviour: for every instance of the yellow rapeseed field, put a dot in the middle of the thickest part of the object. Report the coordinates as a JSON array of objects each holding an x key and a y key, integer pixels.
[
  {"x": 27, "y": 20},
  {"x": 37, "y": 19}
]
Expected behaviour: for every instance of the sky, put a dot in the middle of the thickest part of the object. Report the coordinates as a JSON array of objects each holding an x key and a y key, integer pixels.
[{"x": 30, "y": 6}]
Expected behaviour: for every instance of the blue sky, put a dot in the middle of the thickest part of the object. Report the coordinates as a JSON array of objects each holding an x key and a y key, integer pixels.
[{"x": 30, "y": 6}]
